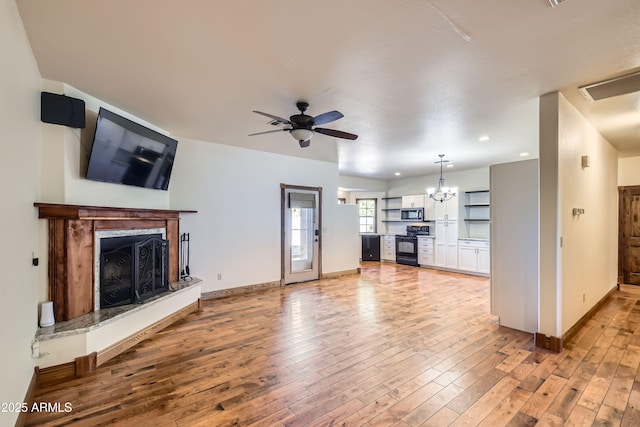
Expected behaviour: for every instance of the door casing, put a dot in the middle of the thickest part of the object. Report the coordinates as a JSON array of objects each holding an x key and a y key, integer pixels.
[{"x": 283, "y": 243}]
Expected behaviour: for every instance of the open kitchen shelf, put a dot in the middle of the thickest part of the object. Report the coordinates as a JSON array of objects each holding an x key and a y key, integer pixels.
[{"x": 476, "y": 218}]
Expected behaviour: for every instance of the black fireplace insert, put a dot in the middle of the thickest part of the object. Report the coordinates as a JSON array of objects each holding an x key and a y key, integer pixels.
[{"x": 132, "y": 269}]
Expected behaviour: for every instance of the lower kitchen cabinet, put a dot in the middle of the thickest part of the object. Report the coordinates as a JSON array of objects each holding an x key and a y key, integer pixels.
[
  {"x": 474, "y": 256},
  {"x": 426, "y": 255},
  {"x": 446, "y": 245},
  {"x": 389, "y": 247}
]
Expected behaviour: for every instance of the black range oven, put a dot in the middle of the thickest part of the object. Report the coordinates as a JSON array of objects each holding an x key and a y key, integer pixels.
[{"x": 407, "y": 245}]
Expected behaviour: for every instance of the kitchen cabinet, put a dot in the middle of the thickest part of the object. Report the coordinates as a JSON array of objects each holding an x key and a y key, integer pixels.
[
  {"x": 426, "y": 255},
  {"x": 447, "y": 210},
  {"x": 416, "y": 201},
  {"x": 429, "y": 209},
  {"x": 446, "y": 244},
  {"x": 388, "y": 247},
  {"x": 474, "y": 256}
]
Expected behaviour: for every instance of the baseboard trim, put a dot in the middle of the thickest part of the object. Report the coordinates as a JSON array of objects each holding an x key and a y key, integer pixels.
[
  {"x": 84, "y": 365},
  {"x": 557, "y": 343},
  {"x": 337, "y": 274},
  {"x": 239, "y": 290},
  {"x": 571, "y": 332},
  {"x": 28, "y": 398},
  {"x": 548, "y": 341},
  {"x": 56, "y": 374}
]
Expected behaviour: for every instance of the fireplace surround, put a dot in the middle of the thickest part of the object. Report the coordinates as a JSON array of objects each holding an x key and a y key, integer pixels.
[{"x": 74, "y": 231}]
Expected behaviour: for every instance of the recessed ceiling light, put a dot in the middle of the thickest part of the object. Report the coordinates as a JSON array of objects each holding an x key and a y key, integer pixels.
[
  {"x": 450, "y": 165},
  {"x": 484, "y": 138},
  {"x": 397, "y": 174},
  {"x": 524, "y": 154}
]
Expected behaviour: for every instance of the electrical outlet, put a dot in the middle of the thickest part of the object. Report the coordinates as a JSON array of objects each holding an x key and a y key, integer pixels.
[{"x": 219, "y": 276}]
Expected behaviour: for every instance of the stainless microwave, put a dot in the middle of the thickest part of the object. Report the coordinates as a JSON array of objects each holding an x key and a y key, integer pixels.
[{"x": 412, "y": 214}]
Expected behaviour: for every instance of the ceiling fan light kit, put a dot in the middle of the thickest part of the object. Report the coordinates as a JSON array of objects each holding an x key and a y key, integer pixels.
[
  {"x": 301, "y": 126},
  {"x": 442, "y": 193},
  {"x": 301, "y": 134}
]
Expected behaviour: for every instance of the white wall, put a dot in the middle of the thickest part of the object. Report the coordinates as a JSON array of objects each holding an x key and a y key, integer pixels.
[
  {"x": 469, "y": 180},
  {"x": 66, "y": 151},
  {"x": 514, "y": 244},
  {"x": 357, "y": 183},
  {"x": 550, "y": 298},
  {"x": 576, "y": 275},
  {"x": 19, "y": 188},
  {"x": 236, "y": 232},
  {"x": 352, "y": 197},
  {"x": 629, "y": 171},
  {"x": 590, "y": 241}
]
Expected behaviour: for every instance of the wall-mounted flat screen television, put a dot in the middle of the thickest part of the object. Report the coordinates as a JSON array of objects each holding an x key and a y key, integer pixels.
[{"x": 125, "y": 152}]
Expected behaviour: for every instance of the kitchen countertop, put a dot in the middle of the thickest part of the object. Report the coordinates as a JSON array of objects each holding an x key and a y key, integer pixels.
[{"x": 474, "y": 239}]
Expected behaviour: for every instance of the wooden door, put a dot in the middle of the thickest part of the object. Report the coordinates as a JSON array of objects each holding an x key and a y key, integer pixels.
[{"x": 630, "y": 234}]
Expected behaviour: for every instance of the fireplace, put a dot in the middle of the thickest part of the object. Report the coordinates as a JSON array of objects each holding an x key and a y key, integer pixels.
[
  {"x": 75, "y": 233},
  {"x": 131, "y": 269}
]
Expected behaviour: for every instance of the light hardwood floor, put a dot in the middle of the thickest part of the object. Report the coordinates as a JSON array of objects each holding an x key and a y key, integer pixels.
[{"x": 395, "y": 345}]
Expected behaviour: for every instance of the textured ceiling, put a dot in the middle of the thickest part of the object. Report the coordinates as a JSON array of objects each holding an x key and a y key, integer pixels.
[{"x": 413, "y": 78}]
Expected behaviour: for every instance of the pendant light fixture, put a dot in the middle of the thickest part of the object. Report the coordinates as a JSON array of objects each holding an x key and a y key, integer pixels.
[{"x": 442, "y": 193}]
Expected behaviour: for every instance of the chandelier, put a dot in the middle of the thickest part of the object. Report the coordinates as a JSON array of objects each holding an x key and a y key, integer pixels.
[{"x": 442, "y": 193}]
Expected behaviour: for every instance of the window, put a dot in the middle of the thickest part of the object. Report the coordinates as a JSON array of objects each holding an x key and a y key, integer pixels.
[
  {"x": 367, "y": 213},
  {"x": 342, "y": 201}
]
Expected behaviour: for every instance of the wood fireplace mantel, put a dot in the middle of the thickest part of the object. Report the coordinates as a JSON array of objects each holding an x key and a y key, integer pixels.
[{"x": 71, "y": 248}]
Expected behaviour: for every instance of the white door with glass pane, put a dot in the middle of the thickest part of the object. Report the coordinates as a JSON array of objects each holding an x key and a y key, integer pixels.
[{"x": 301, "y": 235}]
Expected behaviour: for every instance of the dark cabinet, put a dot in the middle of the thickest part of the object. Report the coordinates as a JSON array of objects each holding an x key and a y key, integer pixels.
[{"x": 370, "y": 248}]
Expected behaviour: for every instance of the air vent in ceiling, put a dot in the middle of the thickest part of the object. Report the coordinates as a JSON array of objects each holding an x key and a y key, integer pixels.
[{"x": 614, "y": 87}]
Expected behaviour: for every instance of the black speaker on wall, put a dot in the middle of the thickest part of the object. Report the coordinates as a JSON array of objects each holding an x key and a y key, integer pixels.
[{"x": 62, "y": 110}]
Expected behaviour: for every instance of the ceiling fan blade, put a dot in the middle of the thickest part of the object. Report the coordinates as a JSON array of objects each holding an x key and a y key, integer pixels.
[
  {"x": 304, "y": 144},
  {"x": 269, "y": 131},
  {"x": 280, "y": 119},
  {"x": 329, "y": 117},
  {"x": 336, "y": 133}
]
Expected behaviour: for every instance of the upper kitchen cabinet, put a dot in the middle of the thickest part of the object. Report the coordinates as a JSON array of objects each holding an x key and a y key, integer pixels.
[
  {"x": 416, "y": 201},
  {"x": 429, "y": 209},
  {"x": 447, "y": 210}
]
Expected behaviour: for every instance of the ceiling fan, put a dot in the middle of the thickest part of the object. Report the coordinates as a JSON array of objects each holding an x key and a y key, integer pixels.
[{"x": 301, "y": 126}]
